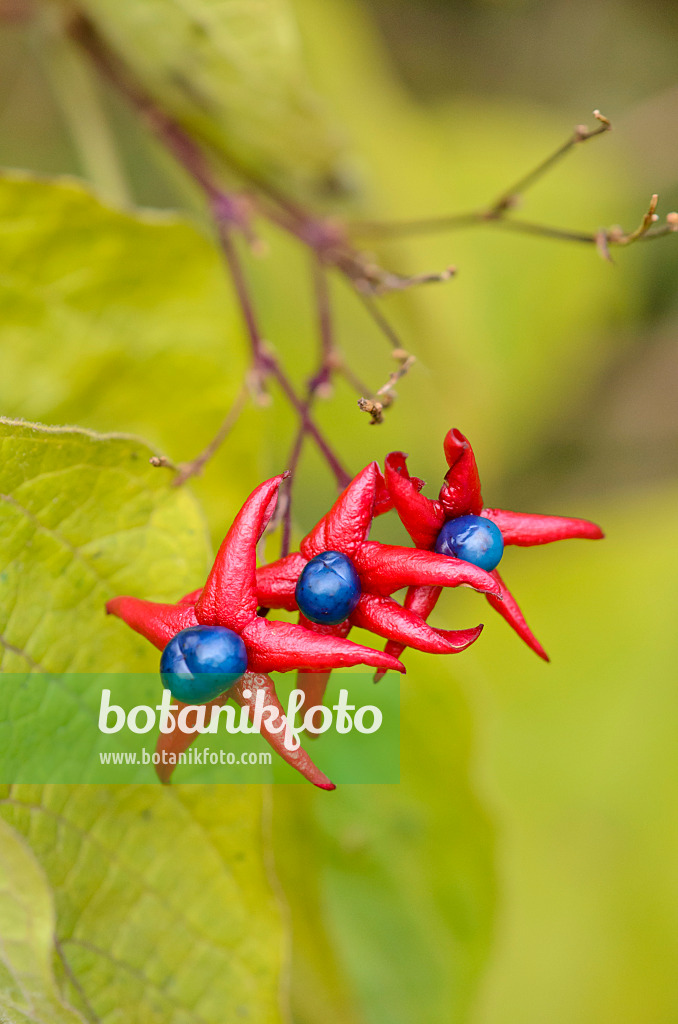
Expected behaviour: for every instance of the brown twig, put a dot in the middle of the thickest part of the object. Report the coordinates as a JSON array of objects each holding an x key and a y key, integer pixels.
[
  {"x": 386, "y": 395},
  {"x": 162, "y": 462},
  {"x": 618, "y": 237},
  {"x": 496, "y": 210},
  {"x": 342, "y": 369},
  {"x": 332, "y": 248},
  {"x": 186, "y": 470},
  {"x": 325, "y": 236},
  {"x": 380, "y": 320},
  {"x": 341, "y": 475},
  {"x": 604, "y": 238},
  {"x": 318, "y": 385},
  {"x": 495, "y": 213},
  {"x": 266, "y": 364},
  {"x": 508, "y": 199},
  {"x": 231, "y": 213}
]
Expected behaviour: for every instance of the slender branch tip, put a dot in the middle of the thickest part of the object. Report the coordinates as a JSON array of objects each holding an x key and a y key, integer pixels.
[{"x": 161, "y": 462}]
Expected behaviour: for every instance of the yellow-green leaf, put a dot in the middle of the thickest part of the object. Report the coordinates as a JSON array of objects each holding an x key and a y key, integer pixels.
[
  {"x": 118, "y": 321},
  {"x": 233, "y": 74},
  {"x": 28, "y": 988},
  {"x": 84, "y": 518},
  {"x": 164, "y": 911}
]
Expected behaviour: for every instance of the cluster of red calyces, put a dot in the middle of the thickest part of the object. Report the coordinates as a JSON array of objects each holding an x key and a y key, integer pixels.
[
  {"x": 460, "y": 496},
  {"x": 235, "y": 590}
]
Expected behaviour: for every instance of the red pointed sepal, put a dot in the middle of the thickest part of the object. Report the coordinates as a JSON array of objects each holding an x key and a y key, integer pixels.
[
  {"x": 157, "y": 622},
  {"x": 389, "y": 567},
  {"x": 460, "y": 494},
  {"x": 282, "y": 646},
  {"x": 314, "y": 684},
  {"x": 348, "y": 522},
  {"x": 229, "y": 597},
  {"x": 526, "y": 529},
  {"x": 383, "y": 502},
  {"x": 385, "y": 617},
  {"x": 508, "y": 608},
  {"x": 421, "y": 517},
  {"x": 177, "y": 741},
  {"x": 421, "y": 601},
  {"x": 244, "y": 693},
  {"x": 277, "y": 581}
]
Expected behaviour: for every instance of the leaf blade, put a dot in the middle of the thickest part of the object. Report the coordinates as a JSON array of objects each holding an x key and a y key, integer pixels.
[
  {"x": 233, "y": 75},
  {"x": 165, "y": 912}
]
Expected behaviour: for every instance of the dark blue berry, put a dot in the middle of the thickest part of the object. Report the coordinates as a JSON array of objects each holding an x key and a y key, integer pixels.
[
  {"x": 328, "y": 588},
  {"x": 202, "y": 662},
  {"x": 473, "y": 539}
]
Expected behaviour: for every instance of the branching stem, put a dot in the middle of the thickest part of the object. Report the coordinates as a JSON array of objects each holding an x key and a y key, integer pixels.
[
  {"x": 196, "y": 465},
  {"x": 331, "y": 246},
  {"x": 496, "y": 213}
]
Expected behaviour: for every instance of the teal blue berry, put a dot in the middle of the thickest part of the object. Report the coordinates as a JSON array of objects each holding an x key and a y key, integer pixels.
[
  {"x": 473, "y": 539},
  {"x": 328, "y": 588},
  {"x": 202, "y": 662}
]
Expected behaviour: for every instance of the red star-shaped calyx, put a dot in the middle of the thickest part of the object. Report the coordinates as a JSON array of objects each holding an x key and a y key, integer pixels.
[
  {"x": 382, "y": 568},
  {"x": 229, "y": 599},
  {"x": 460, "y": 495}
]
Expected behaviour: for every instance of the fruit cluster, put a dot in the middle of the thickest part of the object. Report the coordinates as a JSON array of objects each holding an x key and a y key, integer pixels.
[{"x": 217, "y": 642}]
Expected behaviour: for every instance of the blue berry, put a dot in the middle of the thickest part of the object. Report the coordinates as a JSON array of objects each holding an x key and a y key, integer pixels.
[
  {"x": 202, "y": 662},
  {"x": 328, "y": 588},
  {"x": 473, "y": 539}
]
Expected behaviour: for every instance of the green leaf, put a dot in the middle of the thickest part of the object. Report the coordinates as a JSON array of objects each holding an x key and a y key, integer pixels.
[
  {"x": 101, "y": 307},
  {"x": 164, "y": 910},
  {"x": 233, "y": 74},
  {"x": 165, "y": 913},
  {"x": 392, "y": 887},
  {"x": 84, "y": 518},
  {"x": 118, "y": 321},
  {"x": 28, "y": 989}
]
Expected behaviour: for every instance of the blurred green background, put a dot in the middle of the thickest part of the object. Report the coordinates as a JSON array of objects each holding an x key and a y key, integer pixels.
[{"x": 524, "y": 870}]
